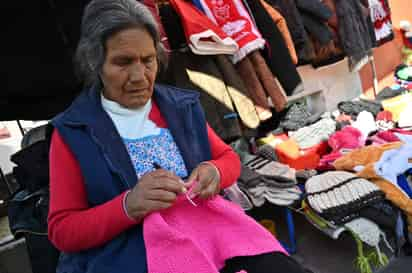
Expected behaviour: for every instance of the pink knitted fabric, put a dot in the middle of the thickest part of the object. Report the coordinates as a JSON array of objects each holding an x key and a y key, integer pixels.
[
  {"x": 188, "y": 239},
  {"x": 347, "y": 138}
]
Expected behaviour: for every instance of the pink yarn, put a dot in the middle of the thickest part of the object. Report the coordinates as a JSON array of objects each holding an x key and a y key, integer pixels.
[{"x": 187, "y": 239}]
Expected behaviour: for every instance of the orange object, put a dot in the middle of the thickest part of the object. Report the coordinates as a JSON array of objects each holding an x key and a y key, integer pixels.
[
  {"x": 289, "y": 153},
  {"x": 269, "y": 225}
]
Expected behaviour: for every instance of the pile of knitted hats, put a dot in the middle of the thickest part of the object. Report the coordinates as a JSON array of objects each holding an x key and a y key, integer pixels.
[
  {"x": 339, "y": 196},
  {"x": 264, "y": 179}
]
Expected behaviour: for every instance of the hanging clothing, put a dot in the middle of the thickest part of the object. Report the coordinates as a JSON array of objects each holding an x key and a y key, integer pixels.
[
  {"x": 173, "y": 27},
  {"x": 232, "y": 17},
  {"x": 154, "y": 9},
  {"x": 280, "y": 22},
  {"x": 381, "y": 19},
  {"x": 269, "y": 83},
  {"x": 353, "y": 30},
  {"x": 289, "y": 11},
  {"x": 190, "y": 71},
  {"x": 276, "y": 54},
  {"x": 202, "y": 35},
  {"x": 238, "y": 92},
  {"x": 255, "y": 89}
]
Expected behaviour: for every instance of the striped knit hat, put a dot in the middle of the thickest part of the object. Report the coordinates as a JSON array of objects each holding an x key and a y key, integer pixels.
[{"x": 338, "y": 196}]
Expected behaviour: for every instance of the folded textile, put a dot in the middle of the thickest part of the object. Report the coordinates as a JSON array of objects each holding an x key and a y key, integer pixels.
[
  {"x": 233, "y": 18},
  {"x": 390, "y": 92},
  {"x": 311, "y": 135},
  {"x": 186, "y": 229},
  {"x": 203, "y": 36},
  {"x": 272, "y": 172},
  {"x": 337, "y": 195},
  {"x": 297, "y": 116},
  {"x": 363, "y": 160},
  {"x": 268, "y": 152},
  {"x": 303, "y": 175},
  {"x": 353, "y": 108},
  {"x": 395, "y": 162},
  {"x": 290, "y": 153},
  {"x": 236, "y": 195},
  {"x": 280, "y": 197}
]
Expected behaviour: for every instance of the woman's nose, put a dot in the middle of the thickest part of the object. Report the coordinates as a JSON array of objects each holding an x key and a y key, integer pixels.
[{"x": 136, "y": 72}]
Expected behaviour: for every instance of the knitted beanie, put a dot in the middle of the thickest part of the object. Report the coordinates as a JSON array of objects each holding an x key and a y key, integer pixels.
[
  {"x": 338, "y": 196},
  {"x": 384, "y": 121},
  {"x": 368, "y": 232}
]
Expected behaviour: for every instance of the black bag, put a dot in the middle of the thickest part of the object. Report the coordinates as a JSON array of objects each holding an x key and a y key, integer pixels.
[{"x": 29, "y": 205}]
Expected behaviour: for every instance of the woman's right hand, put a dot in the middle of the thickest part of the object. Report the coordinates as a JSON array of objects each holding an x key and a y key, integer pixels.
[{"x": 154, "y": 191}]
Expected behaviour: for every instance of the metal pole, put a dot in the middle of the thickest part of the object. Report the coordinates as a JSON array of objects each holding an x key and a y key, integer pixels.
[
  {"x": 374, "y": 76},
  {"x": 20, "y": 127}
]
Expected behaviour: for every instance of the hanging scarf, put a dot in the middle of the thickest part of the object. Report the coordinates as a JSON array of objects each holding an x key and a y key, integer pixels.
[
  {"x": 203, "y": 37},
  {"x": 381, "y": 19},
  {"x": 232, "y": 17}
]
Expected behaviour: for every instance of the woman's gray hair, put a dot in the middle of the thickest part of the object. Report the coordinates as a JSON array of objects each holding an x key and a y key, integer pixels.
[{"x": 101, "y": 20}]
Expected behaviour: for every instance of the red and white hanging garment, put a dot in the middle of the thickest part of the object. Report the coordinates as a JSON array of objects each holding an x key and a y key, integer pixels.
[
  {"x": 381, "y": 18},
  {"x": 202, "y": 35},
  {"x": 232, "y": 17}
]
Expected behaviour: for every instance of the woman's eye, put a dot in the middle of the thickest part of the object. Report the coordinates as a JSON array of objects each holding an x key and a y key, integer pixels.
[
  {"x": 123, "y": 61},
  {"x": 148, "y": 60}
]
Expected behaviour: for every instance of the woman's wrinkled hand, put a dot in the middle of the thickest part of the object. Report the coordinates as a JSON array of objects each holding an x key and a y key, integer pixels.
[
  {"x": 207, "y": 179},
  {"x": 155, "y": 191}
]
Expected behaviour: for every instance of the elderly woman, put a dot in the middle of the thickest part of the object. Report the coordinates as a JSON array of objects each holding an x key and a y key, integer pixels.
[{"x": 135, "y": 170}]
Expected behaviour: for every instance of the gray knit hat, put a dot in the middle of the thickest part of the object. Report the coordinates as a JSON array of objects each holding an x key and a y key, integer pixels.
[{"x": 338, "y": 196}]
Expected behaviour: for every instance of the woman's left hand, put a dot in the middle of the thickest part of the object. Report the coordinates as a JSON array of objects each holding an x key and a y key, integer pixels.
[{"x": 208, "y": 181}]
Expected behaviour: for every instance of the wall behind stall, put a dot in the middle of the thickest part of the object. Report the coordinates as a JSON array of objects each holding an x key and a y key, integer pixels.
[{"x": 388, "y": 56}]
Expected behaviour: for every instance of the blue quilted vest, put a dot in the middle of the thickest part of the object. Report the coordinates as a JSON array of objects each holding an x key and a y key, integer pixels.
[{"x": 108, "y": 171}]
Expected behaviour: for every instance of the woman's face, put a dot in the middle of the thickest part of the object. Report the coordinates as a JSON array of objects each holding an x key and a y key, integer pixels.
[{"x": 130, "y": 68}]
